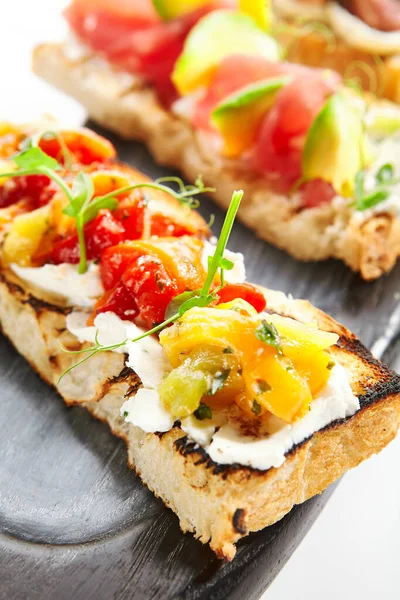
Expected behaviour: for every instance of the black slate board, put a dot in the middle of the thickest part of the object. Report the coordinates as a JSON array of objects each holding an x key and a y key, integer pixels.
[{"x": 76, "y": 524}]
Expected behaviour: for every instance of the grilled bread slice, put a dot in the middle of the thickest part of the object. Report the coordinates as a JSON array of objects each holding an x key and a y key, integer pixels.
[
  {"x": 218, "y": 503},
  {"x": 131, "y": 109}
]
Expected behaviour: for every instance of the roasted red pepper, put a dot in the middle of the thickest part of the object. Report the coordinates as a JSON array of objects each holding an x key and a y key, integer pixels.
[
  {"x": 119, "y": 301},
  {"x": 36, "y": 190},
  {"x": 102, "y": 232},
  {"x": 246, "y": 291}
]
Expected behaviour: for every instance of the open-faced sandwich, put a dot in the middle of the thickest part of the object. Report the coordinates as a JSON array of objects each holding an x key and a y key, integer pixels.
[
  {"x": 205, "y": 89},
  {"x": 236, "y": 402},
  {"x": 358, "y": 38}
]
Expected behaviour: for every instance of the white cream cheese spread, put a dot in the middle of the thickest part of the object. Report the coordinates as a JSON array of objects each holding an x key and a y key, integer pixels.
[
  {"x": 65, "y": 281},
  {"x": 220, "y": 436}
]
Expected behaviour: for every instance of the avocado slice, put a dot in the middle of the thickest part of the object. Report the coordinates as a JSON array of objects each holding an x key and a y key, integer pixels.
[
  {"x": 216, "y": 36},
  {"x": 171, "y": 9},
  {"x": 260, "y": 10},
  {"x": 335, "y": 148},
  {"x": 238, "y": 117}
]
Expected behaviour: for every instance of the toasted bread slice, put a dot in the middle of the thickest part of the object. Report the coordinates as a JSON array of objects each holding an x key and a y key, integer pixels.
[
  {"x": 218, "y": 503},
  {"x": 131, "y": 109}
]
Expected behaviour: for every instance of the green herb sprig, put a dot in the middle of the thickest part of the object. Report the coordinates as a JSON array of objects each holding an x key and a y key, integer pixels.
[
  {"x": 184, "y": 302},
  {"x": 83, "y": 205},
  {"x": 384, "y": 178},
  {"x": 267, "y": 333}
]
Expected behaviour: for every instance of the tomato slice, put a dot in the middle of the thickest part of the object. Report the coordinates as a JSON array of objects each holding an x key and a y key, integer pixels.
[
  {"x": 102, "y": 232},
  {"x": 134, "y": 40},
  {"x": 245, "y": 291}
]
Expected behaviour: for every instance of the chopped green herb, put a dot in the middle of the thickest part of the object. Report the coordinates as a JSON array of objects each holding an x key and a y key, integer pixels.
[
  {"x": 218, "y": 381},
  {"x": 203, "y": 412},
  {"x": 385, "y": 174},
  {"x": 256, "y": 408},
  {"x": 368, "y": 199},
  {"x": 263, "y": 386},
  {"x": 125, "y": 414},
  {"x": 227, "y": 350},
  {"x": 330, "y": 365},
  {"x": 267, "y": 333}
]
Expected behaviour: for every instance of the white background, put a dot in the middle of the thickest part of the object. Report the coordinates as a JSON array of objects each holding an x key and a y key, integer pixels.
[{"x": 353, "y": 550}]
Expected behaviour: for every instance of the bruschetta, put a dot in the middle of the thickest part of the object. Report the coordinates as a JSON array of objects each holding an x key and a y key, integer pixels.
[
  {"x": 236, "y": 402},
  {"x": 307, "y": 150}
]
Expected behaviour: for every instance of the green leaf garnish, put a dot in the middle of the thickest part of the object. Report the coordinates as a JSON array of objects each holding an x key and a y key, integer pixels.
[
  {"x": 32, "y": 158},
  {"x": 185, "y": 301},
  {"x": 368, "y": 199},
  {"x": 203, "y": 412},
  {"x": 267, "y": 333}
]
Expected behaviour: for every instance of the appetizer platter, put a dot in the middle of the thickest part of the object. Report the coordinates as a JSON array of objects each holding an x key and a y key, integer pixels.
[{"x": 316, "y": 158}]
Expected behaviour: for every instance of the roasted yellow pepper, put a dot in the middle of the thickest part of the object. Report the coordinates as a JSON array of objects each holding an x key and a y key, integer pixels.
[{"x": 280, "y": 363}]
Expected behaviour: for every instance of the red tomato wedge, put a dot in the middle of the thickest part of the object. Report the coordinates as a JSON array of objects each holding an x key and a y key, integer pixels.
[{"x": 134, "y": 39}]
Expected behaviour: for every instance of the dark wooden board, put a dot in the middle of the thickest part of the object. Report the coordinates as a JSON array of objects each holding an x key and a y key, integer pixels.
[{"x": 76, "y": 524}]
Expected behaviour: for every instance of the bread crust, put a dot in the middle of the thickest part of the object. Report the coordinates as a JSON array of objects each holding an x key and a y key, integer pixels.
[
  {"x": 370, "y": 247},
  {"x": 218, "y": 503}
]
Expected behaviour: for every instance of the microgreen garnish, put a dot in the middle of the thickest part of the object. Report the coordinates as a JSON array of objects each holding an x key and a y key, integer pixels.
[
  {"x": 83, "y": 204},
  {"x": 218, "y": 381},
  {"x": 256, "y": 408},
  {"x": 267, "y": 333},
  {"x": 203, "y": 412},
  {"x": 383, "y": 178},
  {"x": 185, "y": 301},
  {"x": 34, "y": 142}
]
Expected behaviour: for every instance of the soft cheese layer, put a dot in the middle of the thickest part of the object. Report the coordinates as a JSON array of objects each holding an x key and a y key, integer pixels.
[
  {"x": 220, "y": 436},
  {"x": 65, "y": 281}
]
